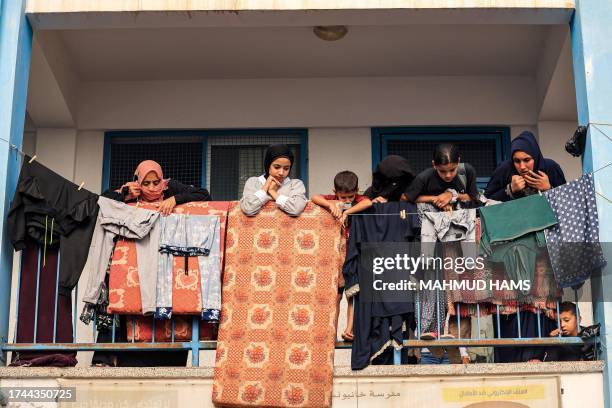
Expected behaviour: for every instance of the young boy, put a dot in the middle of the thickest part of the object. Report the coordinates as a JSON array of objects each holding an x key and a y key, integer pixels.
[
  {"x": 568, "y": 317},
  {"x": 350, "y": 202}
]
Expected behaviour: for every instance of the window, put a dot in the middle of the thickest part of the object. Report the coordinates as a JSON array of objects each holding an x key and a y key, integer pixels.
[
  {"x": 221, "y": 160},
  {"x": 482, "y": 147},
  {"x": 233, "y": 159},
  {"x": 179, "y": 156}
]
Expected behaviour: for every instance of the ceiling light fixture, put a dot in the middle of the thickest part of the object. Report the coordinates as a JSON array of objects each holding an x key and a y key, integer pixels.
[{"x": 330, "y": 33}]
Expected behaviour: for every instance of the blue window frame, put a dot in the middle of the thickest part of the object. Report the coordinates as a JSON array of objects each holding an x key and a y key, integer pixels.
[
  {"x": 482, "y": 147},
  {"x": 210, "y": 158}
]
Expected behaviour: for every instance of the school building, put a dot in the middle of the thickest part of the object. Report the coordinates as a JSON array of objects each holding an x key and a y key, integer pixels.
[{"x": 208, "y": 84}]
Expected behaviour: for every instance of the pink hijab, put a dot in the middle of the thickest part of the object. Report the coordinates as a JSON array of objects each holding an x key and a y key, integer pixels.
[{"x": 151, "y": 193}]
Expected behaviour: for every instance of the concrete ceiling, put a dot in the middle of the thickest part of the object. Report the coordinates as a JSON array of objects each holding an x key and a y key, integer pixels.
[{"x": 294, "y": 52}]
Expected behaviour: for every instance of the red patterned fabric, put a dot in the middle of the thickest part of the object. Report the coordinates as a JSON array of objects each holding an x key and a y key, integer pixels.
[
  {"x": 141, "y": 329},
  {"x": 124, "y": 286},
  {"x": 278, "y": 330}
]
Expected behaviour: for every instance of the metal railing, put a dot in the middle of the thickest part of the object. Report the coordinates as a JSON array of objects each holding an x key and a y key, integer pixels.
[{"x": 195, "y": 344}]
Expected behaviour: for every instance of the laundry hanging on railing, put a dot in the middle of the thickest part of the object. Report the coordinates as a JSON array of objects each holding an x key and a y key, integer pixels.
[
  {"x": 573, "y": 244},
  {"x": 194, "y": 292},
  {"x": 53, "y": 211},
  {"x": 277, "y": 332},
  {"x": 117, "y": 219},
  {"x": 448, "y": 228},
  {"x": 513, "y": 231},
  {"x": 377, "y": 325},
  {"x": 182, "y": 237},
  {"x": 42, "y": 317},
  {"x": 543, "y": 293}
]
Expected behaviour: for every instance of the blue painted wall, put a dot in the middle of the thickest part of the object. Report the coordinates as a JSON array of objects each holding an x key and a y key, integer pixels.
[
  {"x": 591, "y": 29},
  {"x": 15, "y": 55}
]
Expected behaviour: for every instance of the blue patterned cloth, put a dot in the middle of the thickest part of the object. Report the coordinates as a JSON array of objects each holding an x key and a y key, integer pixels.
[
  {"x": 212, "y": 315},
  {"x": 210, "y": 278},
  {"x": 573, "y": 244},
  {"x": 164, "y": 313},
  {"x": 185, "y": 235}
]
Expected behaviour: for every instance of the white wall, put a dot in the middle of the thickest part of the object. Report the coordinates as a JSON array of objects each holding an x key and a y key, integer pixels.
[
  {"x": 29, "y": 142},
  {"x": 552, "y": 138},
  {"x": 573, "y": 390},
  {"x": 89, "y": 160},
  {"x": 331, "y": 150},
  {"x": 338, "y": 111},
  {"x": 56, "y": 149},
  {"x": 307, "y": 102}
]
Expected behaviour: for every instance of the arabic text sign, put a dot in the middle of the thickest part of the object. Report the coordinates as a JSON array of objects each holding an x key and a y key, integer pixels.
[
  {"x": 447, "y": 392},
  {"x": 494, "y": 393}
]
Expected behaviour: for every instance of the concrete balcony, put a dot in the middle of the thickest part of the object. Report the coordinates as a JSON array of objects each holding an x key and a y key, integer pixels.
[{"x": 551, "y": 385}]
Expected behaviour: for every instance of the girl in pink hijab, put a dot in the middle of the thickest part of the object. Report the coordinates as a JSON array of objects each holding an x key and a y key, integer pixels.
[{"x": 149, "y": 185}]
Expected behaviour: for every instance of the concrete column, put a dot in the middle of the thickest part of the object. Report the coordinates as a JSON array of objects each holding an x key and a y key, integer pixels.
[
  {"x": 592, "y": 54},
  {"x": 15, "y": 55}
]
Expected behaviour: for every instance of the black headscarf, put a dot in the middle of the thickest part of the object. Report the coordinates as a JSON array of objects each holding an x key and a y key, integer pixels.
[
  {"x": 502, "y": 176},
  {"x": 391, "y": 177},
  {"x": 273, "y": 152},
  {"x": 526, "y": 142}
]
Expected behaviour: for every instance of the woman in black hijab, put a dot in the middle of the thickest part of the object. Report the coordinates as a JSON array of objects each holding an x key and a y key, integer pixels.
[
  {"x": 275, "y": 184},
  {"x": 526, "y": 173},
  {"x": 390, "y": 179}
]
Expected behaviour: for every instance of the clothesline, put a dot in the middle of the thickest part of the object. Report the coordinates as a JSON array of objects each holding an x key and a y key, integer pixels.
[
  {"x": 595, "y": 125},
  {"x": 23, "y": 154}
]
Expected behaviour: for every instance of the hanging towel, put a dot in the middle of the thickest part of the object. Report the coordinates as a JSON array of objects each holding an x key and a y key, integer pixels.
[
  {"x": 573, "y": 244},
  {"x": 513, "y": 219},
  {"x": 512, "y": 233}
]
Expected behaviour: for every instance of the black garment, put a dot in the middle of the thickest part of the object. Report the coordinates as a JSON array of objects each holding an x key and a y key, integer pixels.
[
  {"x": 48, "y": 208},
  {"x": 566, "y": 352},
  {"x": 502, "y": 176},
  {"x": 387, "y": 357},
  {"x": 529, "y": 329},
  {"x": 428, "y": 182},
  {"x": 377, "y": 324},
  {"x": 390, "y": 179},
  {"x": 182, "y": 193},
  {"x": 273, "y": 152}
]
